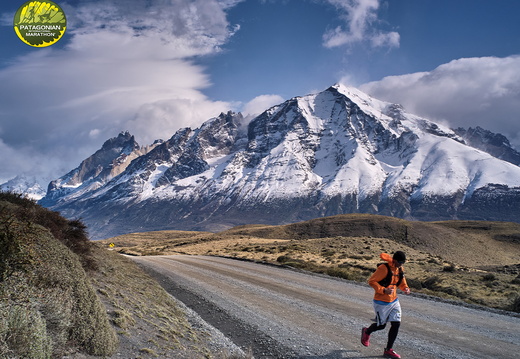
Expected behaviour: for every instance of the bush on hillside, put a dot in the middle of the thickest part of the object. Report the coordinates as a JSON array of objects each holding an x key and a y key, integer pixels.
[
  {"x": 515, "y": 305},
  {"x": 47, "y": 304},
  {"x": 72, "y": 233}
]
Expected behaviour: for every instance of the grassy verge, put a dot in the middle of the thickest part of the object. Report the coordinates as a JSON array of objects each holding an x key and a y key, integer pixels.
[{"x": 143, "y": 313}]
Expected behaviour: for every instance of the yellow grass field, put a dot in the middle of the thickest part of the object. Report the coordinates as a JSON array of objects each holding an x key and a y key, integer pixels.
[{"x": 477, "y": 262}]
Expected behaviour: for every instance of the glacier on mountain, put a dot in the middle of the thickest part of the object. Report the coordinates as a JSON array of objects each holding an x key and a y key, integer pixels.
[{"x": 337, "y": 151}]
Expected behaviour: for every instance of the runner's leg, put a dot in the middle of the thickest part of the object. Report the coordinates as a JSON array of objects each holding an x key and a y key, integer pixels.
[
  {"x": 374, "y": 328},
  {"x": 392, "y": 334}
]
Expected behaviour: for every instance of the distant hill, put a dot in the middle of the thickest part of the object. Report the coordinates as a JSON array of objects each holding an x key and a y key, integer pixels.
[{"x": 470, "y": 243}]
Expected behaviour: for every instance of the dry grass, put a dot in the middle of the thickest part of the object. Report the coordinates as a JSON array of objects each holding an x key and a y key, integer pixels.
[
  {"x": 477, "y": 262},
  {"x": 54, "y": 310},
  {"x": 145, "y": 315},
  {"x": 62, "y": 295},
  {"x": 142, "y": 311}
]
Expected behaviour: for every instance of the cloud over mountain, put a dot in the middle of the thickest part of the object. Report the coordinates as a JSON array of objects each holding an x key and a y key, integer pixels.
[
  {"x": 126, "y": 66},
  {"x": 336, "y": 151},
  {"x": 466, "y": 92},
  {"x": 359, "y": 17}
]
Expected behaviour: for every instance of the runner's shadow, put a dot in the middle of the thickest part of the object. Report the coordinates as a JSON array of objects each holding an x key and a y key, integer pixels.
[{"x": 340, "y": 354}]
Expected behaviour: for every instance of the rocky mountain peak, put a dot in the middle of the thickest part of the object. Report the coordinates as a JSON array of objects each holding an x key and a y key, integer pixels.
[
  {"x": 123, "y": 142},
  {"x": 495, "y": 144},
  {"x": 336, "y": 151},
  {"x": 109, "y": 161}
]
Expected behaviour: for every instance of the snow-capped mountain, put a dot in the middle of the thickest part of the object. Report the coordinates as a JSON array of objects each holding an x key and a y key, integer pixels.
[
  {"x": 22, "y": 184},
  {"x": 337, "y": 151},
  {"x": 108, "y": 162},
  {"x": 493, "y": 143},
  {"x": 26, "y": 185}
]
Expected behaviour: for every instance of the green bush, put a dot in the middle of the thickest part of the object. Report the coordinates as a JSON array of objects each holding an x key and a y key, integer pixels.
[
  {"x": 47, "y": 304},
  {"x": 72, "y": 233},
  {"x": 515, "y": 306},
  {"x": 23, "y": 333}
]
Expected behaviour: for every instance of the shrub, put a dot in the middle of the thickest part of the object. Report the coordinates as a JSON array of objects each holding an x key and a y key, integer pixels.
[
  {"x": 489, "y": 277},
  {"x": 48, "y": 305},
  {"x": 328, "y": 252},
  {"x": 362, "y": 257},
  {"x": 414, "y": 283},
  {"x": 450, "y": 268},
  {"x": 13, "y": 254},
  {"x": 122, "y": 319},
  {"x": 16, "y": 199},
  {"x": 72, "y": 233},
  {"x": 515, "y": 306},
  {"x": 345, "y": 274},
  {"x": 23, "y": 331},
  {"x": 339, "y": 272},
  {"x": 283, "y": 259},
  {"x": 432, "y": 282},
  {"x": 516, "y": 280}
]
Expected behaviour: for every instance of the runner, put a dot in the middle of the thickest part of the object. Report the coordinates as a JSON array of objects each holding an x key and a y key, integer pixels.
[{"x": 385, "y": 281}]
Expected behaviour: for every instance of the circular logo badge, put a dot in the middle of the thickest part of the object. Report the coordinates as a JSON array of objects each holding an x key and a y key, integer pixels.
[{"x": 40, "y": 23}]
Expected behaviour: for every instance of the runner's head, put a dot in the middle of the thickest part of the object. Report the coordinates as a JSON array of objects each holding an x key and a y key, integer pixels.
[{"x": 399, "y": 258}]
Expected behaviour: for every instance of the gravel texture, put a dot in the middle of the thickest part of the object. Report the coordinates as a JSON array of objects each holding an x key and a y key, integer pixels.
[{"x": 209, "y": 315}]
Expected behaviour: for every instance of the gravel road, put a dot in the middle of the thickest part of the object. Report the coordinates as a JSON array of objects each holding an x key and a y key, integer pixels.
[{"x": 280, "y": 313}]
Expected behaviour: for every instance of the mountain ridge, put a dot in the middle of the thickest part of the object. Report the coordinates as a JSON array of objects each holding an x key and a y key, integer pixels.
[
  {"x": 337, "y": 151},
  {"x": 26, "y": 185}
]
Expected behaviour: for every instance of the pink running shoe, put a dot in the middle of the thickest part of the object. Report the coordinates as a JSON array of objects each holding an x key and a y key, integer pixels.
[
  {"x": 365, "y": 338},
  {"x": 389, "y": 353}
]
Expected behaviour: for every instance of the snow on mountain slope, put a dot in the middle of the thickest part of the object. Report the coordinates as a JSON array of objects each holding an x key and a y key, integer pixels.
[
  {"x": 94, "y": 172},
  {"x": 24, "y": 185},
  {"x": 336, "y": 151}
]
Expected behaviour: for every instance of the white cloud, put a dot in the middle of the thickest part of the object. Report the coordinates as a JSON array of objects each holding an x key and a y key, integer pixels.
[
  {"x": 126, "y": 67},
  {"x": 467, "y": 92},
  {"x": 261, "y": 103},
  {"x": 183, "y": 27},
  {"x": 360, "y": 17},
  {"x": 390, "y": 39},
  {"x": 160, "y": 119},
  {"x": 27, "y": 161}
]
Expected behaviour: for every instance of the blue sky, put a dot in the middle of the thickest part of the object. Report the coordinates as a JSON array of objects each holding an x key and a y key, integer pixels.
[
  {"x": 280, "y": 47},
  {"x": 152, "y": 67}
]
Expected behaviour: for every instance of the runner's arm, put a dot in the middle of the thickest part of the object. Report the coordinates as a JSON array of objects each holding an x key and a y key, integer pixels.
[
  {"x": 376, "y": 277},
  {"x": 404, "y": 286}
]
